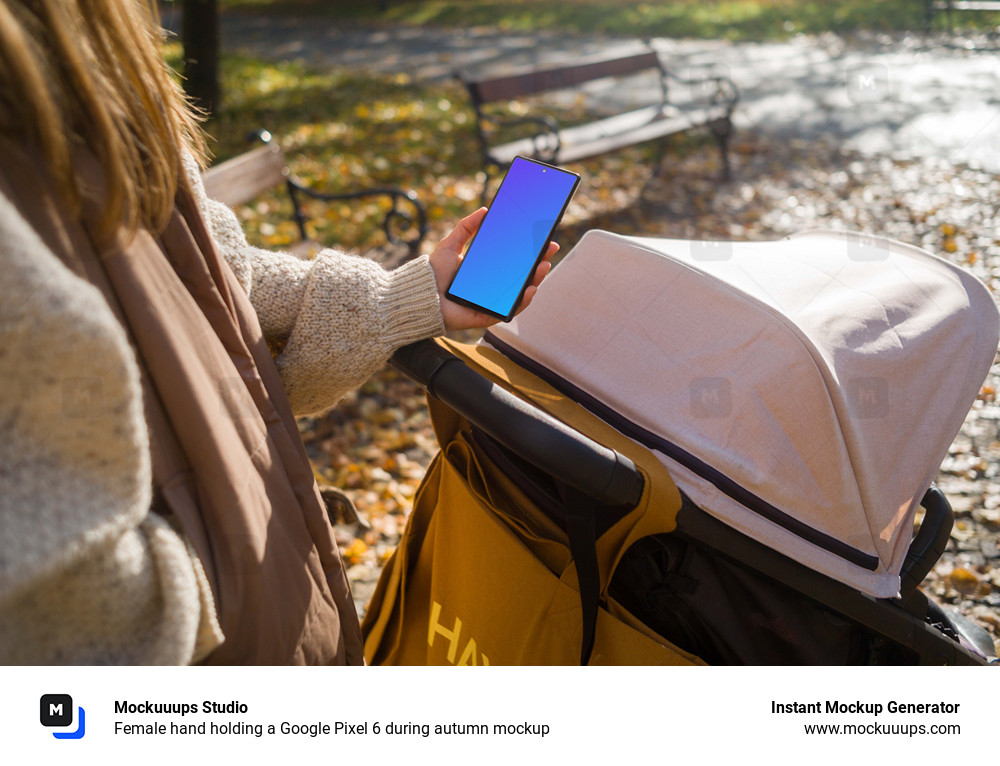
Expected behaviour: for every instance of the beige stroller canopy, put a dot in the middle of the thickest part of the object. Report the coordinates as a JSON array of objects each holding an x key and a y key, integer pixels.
[{"x": 803, "y": 391}]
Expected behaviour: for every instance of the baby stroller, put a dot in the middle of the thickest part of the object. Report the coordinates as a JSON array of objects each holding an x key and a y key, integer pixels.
[{"x": 695, "y": 452}]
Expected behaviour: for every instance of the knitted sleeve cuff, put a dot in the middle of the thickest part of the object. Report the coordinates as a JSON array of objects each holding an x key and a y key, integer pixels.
[
  {"x": 340, "y": 315},
  {"x": 353, "y": 315},
  {"x": 410, "y": 306}
]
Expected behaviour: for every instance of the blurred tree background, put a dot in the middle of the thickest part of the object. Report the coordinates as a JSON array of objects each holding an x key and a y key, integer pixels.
[{"x": 709, "y": 19}]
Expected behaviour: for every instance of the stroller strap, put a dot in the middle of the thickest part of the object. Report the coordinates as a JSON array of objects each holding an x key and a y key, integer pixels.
[{"x": 581, "y": 528}]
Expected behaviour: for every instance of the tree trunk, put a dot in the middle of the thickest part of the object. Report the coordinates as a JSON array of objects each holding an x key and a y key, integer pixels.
[{"x": 200, "y": 37}]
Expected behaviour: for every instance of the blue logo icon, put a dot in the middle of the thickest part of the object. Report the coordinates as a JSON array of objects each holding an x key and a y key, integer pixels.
[{"x": 57, "y": 710}]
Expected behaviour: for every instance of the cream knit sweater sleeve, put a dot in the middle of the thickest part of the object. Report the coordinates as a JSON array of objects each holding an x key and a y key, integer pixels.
[
  {"x": 341, "y": 315},
  {"x": 87, "y": 574}
]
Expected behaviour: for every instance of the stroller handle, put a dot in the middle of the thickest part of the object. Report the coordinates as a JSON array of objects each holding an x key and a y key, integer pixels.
[
  {"x": 564, "y": 453},
  {"x": 930, "y": 541}
]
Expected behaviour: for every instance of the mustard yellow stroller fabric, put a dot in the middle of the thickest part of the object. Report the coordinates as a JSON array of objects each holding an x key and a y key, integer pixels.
[{"x": 482, "y": 576}]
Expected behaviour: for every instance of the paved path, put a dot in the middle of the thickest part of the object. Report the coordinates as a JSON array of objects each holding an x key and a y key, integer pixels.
[{"x": 904, "y": 98}]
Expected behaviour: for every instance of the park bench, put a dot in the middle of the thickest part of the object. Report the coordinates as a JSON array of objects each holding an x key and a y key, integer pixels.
[
  {"x": 247, "y": 176},
  {"x": 559, "y": 145}
]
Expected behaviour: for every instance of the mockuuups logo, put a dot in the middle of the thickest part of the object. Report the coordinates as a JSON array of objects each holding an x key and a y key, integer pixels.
[
  {"x": 56, "y": 710},
  {"x": 868, "y": 84},
  {"x": 868, "y": 397},
  {"x": 711, "y": 398},
  {"x": 712, "y": 250}
]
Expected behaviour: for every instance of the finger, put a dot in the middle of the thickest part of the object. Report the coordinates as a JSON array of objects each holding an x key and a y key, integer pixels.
[
  {"x": 540, "y": 272},
  {"x": 479, "y": 320},
  {"x": 529, "y": 293},
  {"x": 464, "y": 230}
]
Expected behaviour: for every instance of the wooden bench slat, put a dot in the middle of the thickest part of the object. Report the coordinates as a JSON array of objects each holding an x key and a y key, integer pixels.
[
  {"x": 602, "y": 136},
  {"x": 243, "y": 178},
  {"x": 529, "y": 83},
  {"x": 613, "y": 133}
]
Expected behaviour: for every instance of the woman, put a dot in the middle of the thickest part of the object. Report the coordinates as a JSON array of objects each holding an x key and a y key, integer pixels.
[{"x": 156, "y": 503}]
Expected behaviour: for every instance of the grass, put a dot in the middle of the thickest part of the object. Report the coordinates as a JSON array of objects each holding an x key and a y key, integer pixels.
[{"x": 709, "y": 19}]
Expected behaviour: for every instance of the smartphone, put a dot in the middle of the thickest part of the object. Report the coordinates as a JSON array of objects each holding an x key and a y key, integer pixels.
[{"x": 513, "y": 237}]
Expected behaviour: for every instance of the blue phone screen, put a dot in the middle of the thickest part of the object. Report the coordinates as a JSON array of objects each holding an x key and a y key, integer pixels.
[{"x": 512, "y": 236}]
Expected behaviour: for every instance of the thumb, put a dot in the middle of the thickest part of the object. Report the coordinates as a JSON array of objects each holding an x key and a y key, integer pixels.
[{"x": 464, "y": 230}]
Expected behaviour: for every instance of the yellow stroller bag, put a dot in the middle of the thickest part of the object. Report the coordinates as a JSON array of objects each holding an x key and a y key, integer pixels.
[{"x": 482, "y": 576}]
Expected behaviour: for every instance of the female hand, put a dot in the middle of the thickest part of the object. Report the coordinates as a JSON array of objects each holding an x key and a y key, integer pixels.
[{"x": 445, "y": 261}]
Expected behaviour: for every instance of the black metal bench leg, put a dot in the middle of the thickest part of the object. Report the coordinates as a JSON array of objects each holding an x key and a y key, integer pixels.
[
  {"x": 662, "y": 147},
  {"x": 722, "y": 129},
  {"x": 485, "y": 191}
]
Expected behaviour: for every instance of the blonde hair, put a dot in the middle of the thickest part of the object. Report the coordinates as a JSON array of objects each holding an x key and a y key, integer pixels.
[{"x": 91, "y": 72}]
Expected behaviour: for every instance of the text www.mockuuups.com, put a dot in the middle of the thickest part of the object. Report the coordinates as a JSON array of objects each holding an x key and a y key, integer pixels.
[
  {"x": 869, "y": 712},
  {"x": 891, "y": 729}
]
